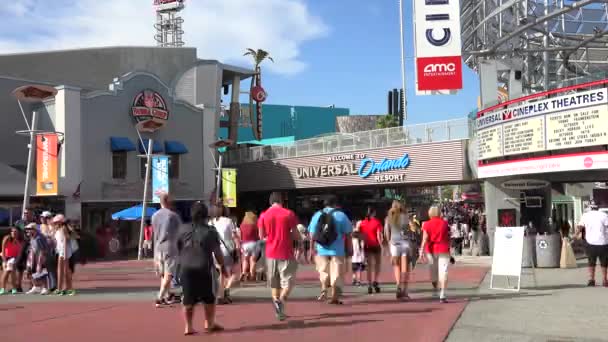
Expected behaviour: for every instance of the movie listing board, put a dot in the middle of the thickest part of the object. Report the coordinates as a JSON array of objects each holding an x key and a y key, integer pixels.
[
  {"x": 551, "y": 125},
  {"x": 578, "y": 128}
]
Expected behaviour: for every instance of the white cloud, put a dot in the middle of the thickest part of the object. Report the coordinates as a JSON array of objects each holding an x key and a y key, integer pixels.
[
  {"x": 15, "y": 7},
  {"x": 219, "y": 29}
]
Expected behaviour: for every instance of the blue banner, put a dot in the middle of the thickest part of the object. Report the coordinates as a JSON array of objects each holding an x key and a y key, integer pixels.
[{"x": 160, "y": 177}]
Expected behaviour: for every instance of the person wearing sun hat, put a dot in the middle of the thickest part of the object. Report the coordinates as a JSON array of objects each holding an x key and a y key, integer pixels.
[{"x": 64, "y": 252}]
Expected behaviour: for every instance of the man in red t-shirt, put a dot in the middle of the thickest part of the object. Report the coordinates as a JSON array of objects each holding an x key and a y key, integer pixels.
[{"x": 278, "y": 226}]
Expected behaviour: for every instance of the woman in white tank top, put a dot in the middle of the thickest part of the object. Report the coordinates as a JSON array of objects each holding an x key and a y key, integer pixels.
[{"x": 401, "y": 246}]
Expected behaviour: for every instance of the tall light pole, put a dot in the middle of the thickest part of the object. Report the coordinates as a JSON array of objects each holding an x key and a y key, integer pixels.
[
  {"x": 216, "y": 145},
  {"x": 144, "y": 202},
  {"x": 402, "y": 46},
  {"x": 31, "y": 93}
]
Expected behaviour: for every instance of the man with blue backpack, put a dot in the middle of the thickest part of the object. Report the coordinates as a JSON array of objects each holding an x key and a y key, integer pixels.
[{"x": 331, "y": 233}]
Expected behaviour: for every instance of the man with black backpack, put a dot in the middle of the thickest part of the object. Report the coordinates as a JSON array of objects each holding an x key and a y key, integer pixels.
[{"x": 331, "y": 233}]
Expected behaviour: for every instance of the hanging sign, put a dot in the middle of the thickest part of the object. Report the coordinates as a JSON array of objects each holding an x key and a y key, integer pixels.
[
  {"x": 525, "y": 184},
  {"x": 229, "y": 187},
  {"x": 437, "y": 45},
  {"x": 160, "y": 177},
  {"x": 46, "y": 165},
  {"x": 150, "y": 111}
]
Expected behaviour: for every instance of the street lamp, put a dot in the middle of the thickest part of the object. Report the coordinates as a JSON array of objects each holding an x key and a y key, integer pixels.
[
  {"x": 217, "y": 145},
  {"x": 31, "y": 93},
  {"x": 144, "y": 204}
]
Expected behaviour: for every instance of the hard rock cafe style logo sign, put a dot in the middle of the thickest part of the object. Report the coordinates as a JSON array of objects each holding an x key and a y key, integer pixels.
[{"x": 150, "y": 111}]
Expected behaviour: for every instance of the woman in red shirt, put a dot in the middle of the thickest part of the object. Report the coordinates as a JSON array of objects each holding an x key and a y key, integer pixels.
[
  {"x": 11, "y": 248},
  {"x": 249, "y": 245},
  {"x": 371, "y": 229},
  {"x": 436, "y": 246}
]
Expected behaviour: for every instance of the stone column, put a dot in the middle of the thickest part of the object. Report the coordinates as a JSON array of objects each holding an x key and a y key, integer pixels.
[{"x": 68, "y": 118}]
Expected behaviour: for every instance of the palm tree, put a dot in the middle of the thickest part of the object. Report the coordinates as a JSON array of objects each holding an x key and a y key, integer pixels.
[
  {"x": 387, "y": 121},
  {"x": 258, "y": 57}
]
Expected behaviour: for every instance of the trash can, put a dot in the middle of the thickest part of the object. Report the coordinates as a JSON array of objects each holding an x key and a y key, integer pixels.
[
  {"x": 529, "y": 255},
  {"x": 548, "y": 250}
]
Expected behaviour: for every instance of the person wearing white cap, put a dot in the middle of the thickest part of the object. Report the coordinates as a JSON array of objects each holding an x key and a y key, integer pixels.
[
  {"x": 36, "y": 264},
  {"x": 44, "y": 222}
]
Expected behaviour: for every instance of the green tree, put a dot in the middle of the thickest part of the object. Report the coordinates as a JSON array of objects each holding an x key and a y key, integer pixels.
[
  {"x": 258, "y": 57},
  {"x": 387, "y": 121}
]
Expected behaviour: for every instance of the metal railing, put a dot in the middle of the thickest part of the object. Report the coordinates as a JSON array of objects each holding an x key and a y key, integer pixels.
[{"x": 456, "y": 129}]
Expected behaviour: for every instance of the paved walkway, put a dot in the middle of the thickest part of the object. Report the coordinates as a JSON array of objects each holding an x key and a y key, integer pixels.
[
  {"x": 115, "y": 304},
  {"x": 559, "y": 307}
]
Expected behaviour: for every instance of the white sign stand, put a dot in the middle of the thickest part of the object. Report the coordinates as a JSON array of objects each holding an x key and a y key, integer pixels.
[{"x": 508, "y": 254}]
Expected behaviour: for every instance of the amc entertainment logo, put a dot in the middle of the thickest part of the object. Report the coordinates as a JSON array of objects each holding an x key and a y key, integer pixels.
[
  {"x": 438, "y": 73},
  {"x": 149, "y": 111}
]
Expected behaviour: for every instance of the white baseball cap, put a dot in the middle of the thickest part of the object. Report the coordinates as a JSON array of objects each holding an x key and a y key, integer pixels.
[{"x": 46, "y": 214}]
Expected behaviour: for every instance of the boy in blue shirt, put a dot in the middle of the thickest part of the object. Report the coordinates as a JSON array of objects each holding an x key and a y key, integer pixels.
[{"x": 330, "y": 260}]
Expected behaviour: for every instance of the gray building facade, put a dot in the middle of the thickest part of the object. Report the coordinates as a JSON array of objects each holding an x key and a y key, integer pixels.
[{"x": 99, "y": 165}]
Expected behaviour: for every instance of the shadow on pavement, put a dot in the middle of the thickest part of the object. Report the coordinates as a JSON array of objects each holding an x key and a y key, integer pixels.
[
  {"x": 300, "y": 324},
  {"x": 117, "y": 290},
  {"x": 556, "y": 287}
]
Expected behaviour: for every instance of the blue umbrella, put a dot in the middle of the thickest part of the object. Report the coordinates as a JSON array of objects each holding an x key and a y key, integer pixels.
[{"x": 133, "y": 213}]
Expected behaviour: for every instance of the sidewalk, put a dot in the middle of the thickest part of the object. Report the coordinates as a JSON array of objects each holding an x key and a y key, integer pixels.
[{"x": 559, "y": 308}]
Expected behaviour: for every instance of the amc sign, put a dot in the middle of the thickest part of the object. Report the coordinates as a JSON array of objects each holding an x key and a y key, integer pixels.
[
  {"x": 438, "y": 49},
  {"x": 149, "y": 111}
]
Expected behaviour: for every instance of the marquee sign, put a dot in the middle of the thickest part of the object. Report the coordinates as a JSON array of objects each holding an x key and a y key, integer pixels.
[
  {"x": 569, "y": 121},
  {"x": 150, "y": 111}
]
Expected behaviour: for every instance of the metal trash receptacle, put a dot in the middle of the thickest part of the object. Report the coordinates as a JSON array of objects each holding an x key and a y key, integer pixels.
[
  {"x": 548, "y": 250},
  {"x": 529, "y": 254}
]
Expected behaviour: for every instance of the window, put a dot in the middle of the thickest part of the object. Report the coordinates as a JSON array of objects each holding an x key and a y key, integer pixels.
[
  {"x": 119, "y": 165},
  {"x": 174, "y": 166}
]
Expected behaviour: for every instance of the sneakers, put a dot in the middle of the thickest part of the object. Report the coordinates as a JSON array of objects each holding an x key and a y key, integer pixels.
[
  {"x": 279, "y": 310},
  {"x": 44, "y": 292},
  {"x": 34, "y": 290},
  {"x": 159, "y": 303},
  {"x": 443, "y": 300},
  {"x": 2, "y": 292},
  {"x": 376, "y": 287},
  {"x": 591, "y": 283},
  {"x": 70, "y": 292},
  {"x": 14, "y": 291}
]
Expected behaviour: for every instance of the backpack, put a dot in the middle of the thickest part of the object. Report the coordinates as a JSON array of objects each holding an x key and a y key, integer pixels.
[
  {"x": 191, "y": 246},
  {"x": 326, "y": 231}
]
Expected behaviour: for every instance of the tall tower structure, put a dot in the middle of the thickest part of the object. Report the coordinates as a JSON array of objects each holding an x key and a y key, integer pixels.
[{"x": 168, "y": 25}]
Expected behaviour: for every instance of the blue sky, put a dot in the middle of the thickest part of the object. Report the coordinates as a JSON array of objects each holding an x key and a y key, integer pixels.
[
  {"x": 359, "y": 60},
  {"x": 341, "y": 52}
]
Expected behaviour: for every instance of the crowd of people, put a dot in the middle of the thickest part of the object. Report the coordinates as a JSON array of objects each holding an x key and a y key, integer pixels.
[
  {"x": 206, "y": 256},
  {"x": 40, "y": 250}
]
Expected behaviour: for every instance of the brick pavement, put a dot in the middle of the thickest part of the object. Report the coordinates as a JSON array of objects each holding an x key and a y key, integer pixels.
[{"x": 114, "y": 305}]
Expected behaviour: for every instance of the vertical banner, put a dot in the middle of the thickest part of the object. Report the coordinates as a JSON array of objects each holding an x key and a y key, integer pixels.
[
  {"x": 160, "y": 177},
  {"x": 229, "y": 187},
  {"x": 46, "y": 165},
  {"x": 437, "y": 46}
]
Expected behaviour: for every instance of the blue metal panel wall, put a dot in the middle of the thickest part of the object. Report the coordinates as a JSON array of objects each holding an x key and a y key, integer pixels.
[{"x": 299, "y": 121}]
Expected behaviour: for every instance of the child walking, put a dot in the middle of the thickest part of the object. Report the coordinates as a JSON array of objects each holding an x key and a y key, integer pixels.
[{"x": 358, "y": 258}]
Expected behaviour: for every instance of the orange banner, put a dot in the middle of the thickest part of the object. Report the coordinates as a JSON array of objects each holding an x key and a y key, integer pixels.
[{"x": 46, "y": 165}]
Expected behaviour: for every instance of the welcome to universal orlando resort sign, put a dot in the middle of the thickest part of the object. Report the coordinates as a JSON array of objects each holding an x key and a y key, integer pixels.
[{"x": 362, "y": 166}]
